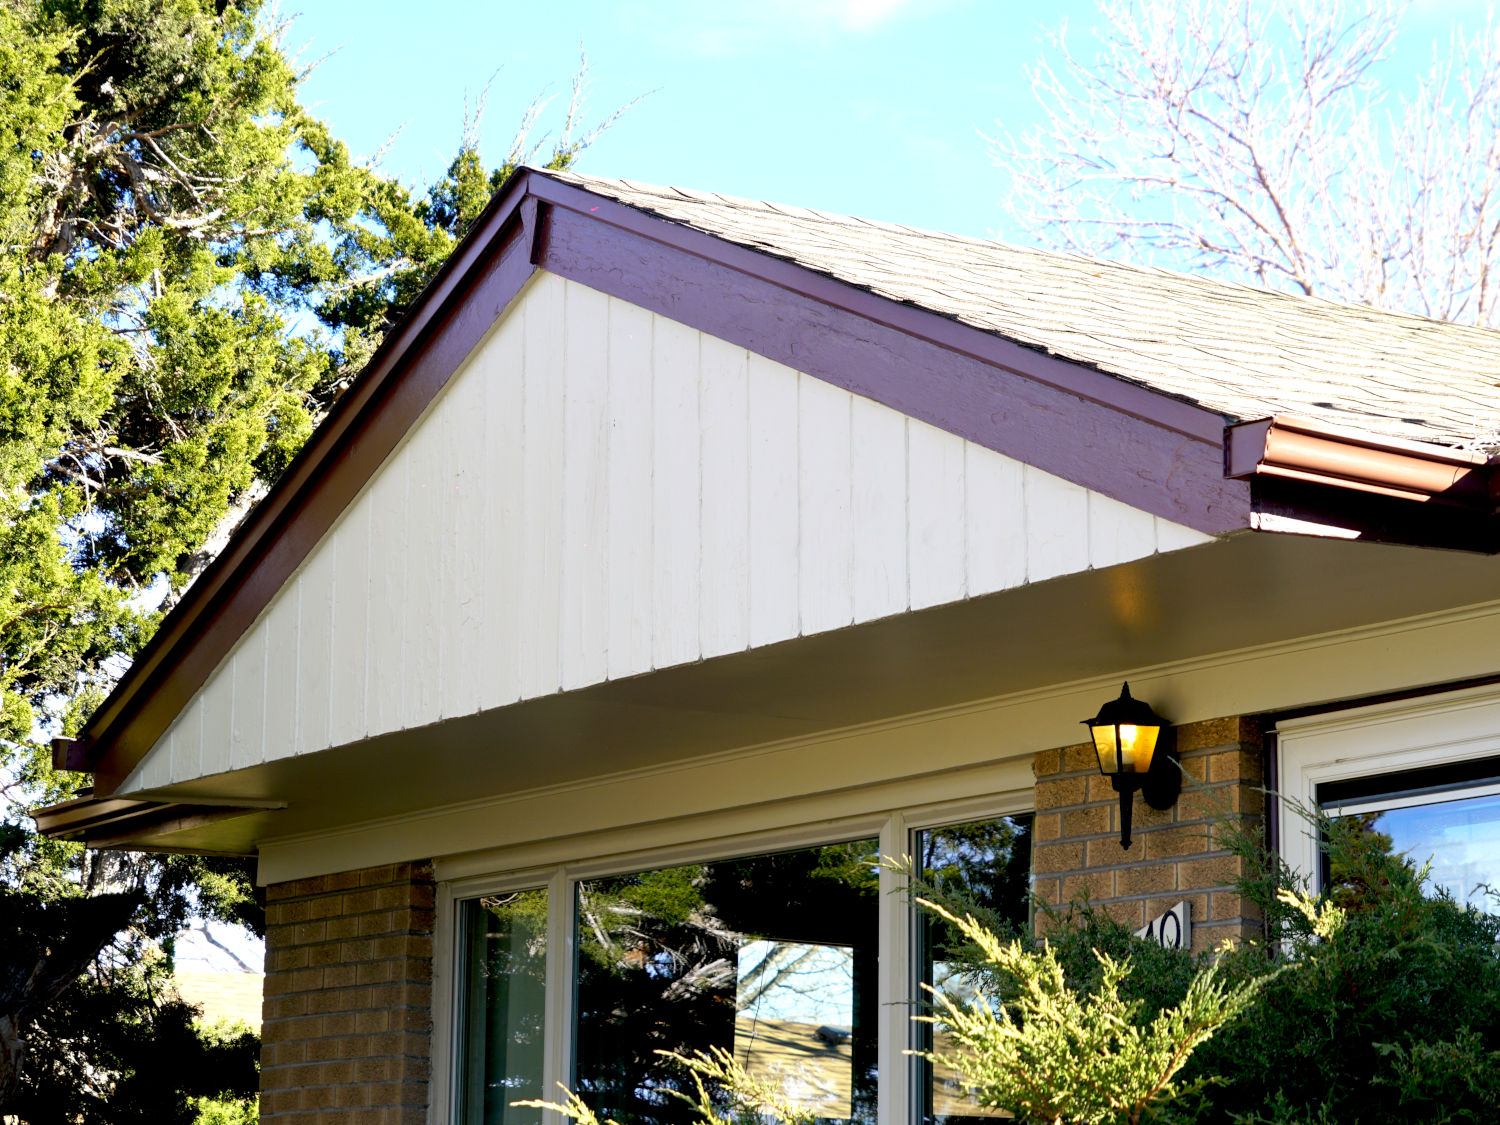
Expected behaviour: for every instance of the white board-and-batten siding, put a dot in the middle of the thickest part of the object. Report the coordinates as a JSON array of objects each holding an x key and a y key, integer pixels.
[{"x": 600, "y": 491}]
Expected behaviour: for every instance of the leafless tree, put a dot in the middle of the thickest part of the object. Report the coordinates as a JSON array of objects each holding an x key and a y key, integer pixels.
[{"x": 1257, "y": 140}]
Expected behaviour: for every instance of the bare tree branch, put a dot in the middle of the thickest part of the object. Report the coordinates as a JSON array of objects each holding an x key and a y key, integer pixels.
[{"x": 1253, "y": 139}]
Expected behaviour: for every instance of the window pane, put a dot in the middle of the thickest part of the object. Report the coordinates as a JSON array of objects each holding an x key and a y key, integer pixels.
[
  {"x": 1460, "y": 838},
  {"x": 986, "y": 864},
  {"x": 771, "y": 958},
  {"x": 505, "y": 940}
]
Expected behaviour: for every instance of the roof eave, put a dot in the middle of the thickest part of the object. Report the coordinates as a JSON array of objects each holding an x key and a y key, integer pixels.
[{"x": 1313, "y": 478}]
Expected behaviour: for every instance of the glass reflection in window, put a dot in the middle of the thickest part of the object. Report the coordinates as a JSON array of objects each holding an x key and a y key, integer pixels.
[
  {"x": 505, "y": 940},
  {"x": 771, "y": 958},
  {"x": 984, "y": 867},
  {"x": 1459, "y": 838}
]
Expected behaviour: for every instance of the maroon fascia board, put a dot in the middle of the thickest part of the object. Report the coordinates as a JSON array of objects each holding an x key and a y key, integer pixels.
[
  {"x": 1143, "y": 447},
  {"x": 1143, "y": 463},
  {"x": 1156, "y": 407}
]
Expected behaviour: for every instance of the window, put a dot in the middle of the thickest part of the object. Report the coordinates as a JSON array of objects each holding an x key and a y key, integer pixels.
[
  {"x": 503, "y": 1007},
  {"x": 771, "y": 958},
  {"x": 794, "y": 955},
  {"x": 988, "y": 863},
  {"x": 1447, "y": 818},
  {"x": 1423, "y": 772}
]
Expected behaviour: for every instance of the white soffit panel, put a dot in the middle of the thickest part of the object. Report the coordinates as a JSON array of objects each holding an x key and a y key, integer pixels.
[{"x": 600, "y": 491}]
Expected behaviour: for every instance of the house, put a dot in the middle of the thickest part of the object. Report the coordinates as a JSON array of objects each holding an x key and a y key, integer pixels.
[{"x": 677, "y": 554}]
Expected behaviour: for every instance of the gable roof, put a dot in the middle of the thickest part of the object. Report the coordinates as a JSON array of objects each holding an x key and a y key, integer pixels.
[
  {"x": 1242, "y": 352},
  {"x": 1030, "y": 354}
]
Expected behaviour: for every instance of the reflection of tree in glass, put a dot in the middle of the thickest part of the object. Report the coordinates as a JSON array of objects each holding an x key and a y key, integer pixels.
[
  {"x": 507, "y": 940},
  {"x": 981, "y": 869},
  {"x": 658, "y": 966},
  {"x": 1359, "y": 867}
]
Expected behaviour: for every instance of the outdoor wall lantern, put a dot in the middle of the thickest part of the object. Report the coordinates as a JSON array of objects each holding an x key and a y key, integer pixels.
[{"x": 1135, "y": 751}]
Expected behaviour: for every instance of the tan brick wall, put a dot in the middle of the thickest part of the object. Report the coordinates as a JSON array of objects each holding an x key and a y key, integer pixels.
[
  {"x": 348, "y": 1005},
  {"x": 1174, "y": 855}
]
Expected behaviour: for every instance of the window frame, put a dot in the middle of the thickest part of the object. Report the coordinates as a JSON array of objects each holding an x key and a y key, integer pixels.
[
  {"x": 897, "y": 987},
  {"x": 1372, "y": 741}
]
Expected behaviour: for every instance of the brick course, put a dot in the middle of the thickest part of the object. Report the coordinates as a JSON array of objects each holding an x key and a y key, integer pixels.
[
  {"x": 1174, "y": 855},
  {"x": 347, "y": 1012}
]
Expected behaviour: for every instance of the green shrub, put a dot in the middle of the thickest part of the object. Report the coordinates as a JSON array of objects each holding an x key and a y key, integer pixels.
[
  {"x": 1387, "y": 1008},
  {"x": 1374, "y": 1002}
]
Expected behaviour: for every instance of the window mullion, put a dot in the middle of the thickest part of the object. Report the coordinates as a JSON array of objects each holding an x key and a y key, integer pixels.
[
  {"x": 557, "y": 1051},
  {"x": 894, "y": 1105}
]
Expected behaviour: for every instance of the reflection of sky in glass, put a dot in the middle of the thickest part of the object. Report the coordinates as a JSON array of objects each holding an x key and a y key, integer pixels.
[
  {"x": 956, "y": 981},
  {"x": 798, "y": 981},
  {"x": 1460, "y": 838}
]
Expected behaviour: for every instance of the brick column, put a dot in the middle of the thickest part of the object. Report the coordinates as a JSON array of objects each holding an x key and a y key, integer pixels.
[
  {"x": 1174, "y": 855},
  {"x": 348, "y": 1004}
]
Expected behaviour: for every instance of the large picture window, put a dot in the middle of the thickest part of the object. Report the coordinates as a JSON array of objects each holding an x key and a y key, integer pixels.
[
  {"x": 799, "y": 957},
  {"x": 772, "y": 958}
]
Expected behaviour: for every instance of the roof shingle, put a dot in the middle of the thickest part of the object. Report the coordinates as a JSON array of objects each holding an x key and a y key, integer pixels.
[{"x": 1246, "y": 353}]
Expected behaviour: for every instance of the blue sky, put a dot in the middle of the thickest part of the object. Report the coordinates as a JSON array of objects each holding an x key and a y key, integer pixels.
[{"x": 868, "y": 107}]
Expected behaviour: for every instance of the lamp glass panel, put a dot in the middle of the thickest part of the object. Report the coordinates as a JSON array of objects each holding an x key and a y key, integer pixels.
[
  {"x": 1137, "y": 746},
  {"x": 1104, "y": 746}
]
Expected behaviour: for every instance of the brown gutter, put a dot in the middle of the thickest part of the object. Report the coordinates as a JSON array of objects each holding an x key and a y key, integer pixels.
[
  {"x": 1312, "y": 452},
  {"x": 104, "y": 822}
]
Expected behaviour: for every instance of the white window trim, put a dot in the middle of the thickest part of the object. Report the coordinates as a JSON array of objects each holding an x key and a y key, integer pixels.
[
  {"x": 1408, "y": 734},
  {"x": 896, "y": 988}
]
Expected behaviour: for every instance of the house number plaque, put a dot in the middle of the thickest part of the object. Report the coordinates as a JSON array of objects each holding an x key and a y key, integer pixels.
[{"x": 1172, "y": 930}]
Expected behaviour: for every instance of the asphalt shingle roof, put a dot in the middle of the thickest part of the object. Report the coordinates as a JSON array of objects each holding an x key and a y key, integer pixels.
[{"x": 1246, "y": 353}]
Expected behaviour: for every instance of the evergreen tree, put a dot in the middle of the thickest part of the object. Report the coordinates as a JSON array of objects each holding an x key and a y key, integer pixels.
[{"x": 191, "y": 269}]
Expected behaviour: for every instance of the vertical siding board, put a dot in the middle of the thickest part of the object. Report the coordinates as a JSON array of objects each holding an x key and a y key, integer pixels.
[
  {"x": 463, "y": 640},
  {"x": 676, "y": 500},
  {"x": 247, "y": 737},
  {"x": 1174, "y": 537},
  {"x": 156, "y": 770},
  {"x": 936, "y": 488},
  {"x": 283, "y": 623},
  {"x": 503, "y": 369},
  {"x": 184, "y": 756},
  {"x": 217, "y": 705},
  {"x": 429, "y": 548},
  {"x": 774, "y": 520},
  {"x": 314, "y": 648},
  {"x": 995, "y": 537},
  {"x": 585, "y": 559},
  {"x": 826, "y": 550},
  {"x": 385, "y": 667},
  {"x": 1056, "y": 526},
  {"x": 629, "y": 533},
  {"x": 1118, "y": 532},
  {"x": 878, "y": 505},
  {"x": 725, "y": 599},
  {"x": 543, "y": 473},
  {"x": 351, "y": 613}
]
